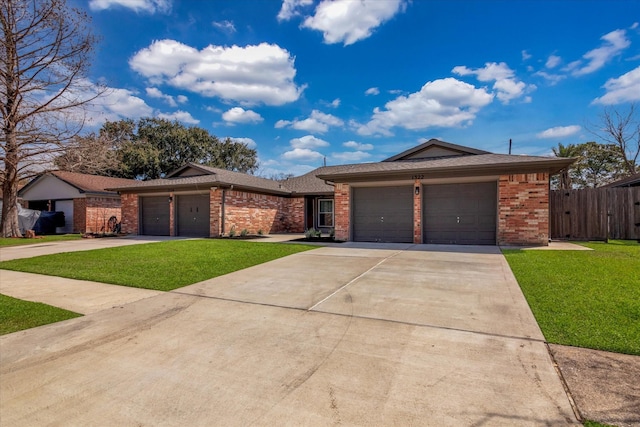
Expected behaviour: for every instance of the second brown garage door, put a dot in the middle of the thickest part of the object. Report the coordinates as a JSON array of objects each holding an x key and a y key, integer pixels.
[
  {"x": 383, "y": 214},
  {"x": 193, "y": 215},
  {"x": 462, "y": 214}
]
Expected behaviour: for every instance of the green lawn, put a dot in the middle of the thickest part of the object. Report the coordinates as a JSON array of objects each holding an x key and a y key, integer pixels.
[
  {"x": 161, "y": 266},
  {"x": 16, "y": 314},
  {"x": 585, "y": 299},
  {"x": 17, "y": 241}
]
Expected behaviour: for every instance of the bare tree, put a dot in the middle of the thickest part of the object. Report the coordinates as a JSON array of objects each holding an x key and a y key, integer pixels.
[
  {"x": 623, "y": 130},
  {"x": 45, "y": 51}
]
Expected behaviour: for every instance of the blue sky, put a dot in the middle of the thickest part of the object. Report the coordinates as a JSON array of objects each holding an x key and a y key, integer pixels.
[{"x": 361, "y": 80}]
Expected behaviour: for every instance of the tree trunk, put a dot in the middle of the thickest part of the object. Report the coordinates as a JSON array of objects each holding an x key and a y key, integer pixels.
[{"x": 10, "y": 226}]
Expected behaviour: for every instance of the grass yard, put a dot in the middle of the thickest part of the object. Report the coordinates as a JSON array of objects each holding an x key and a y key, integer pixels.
[
  {"x": 16, "y": 314},
  {"x": 585, "y": 299},
  {"x": 18, "y": 241},
  {"x": 161, "y": 266}
]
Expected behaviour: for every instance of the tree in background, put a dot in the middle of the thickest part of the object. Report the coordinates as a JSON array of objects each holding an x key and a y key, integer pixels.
[
  {"x": 622, "y": 130},
  {"x": 563, "y": 179},
  {"x": 45, "y": 52},
  {"x": 153, "y": 147},
  {"x": 597, "y": 165}
]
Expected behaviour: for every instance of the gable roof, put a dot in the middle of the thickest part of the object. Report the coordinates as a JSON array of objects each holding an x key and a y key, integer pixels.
[
  {"x": 209, "y": 177},
  {"x": 434, "y": 148},
  {"x": 84, "y": 183}
]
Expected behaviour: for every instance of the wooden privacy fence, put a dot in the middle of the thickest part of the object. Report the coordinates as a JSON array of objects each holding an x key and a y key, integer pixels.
[{"x": 595, "y": 213}]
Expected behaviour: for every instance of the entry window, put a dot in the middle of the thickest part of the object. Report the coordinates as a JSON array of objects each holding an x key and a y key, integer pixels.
[{"x": 325, "y": 213}]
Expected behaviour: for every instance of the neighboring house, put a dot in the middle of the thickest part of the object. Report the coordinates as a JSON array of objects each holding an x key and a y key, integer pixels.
[
  {"x": 630, "y": 181},
  {"x": 437, "y": 192},
  {"x": 87, "y": 206}
]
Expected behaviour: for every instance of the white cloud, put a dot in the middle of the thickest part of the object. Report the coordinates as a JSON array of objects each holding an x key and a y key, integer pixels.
[
  {"x": 553, "y": 61},
  {"x": 625, "y": 88},
  {"x": 372, "y": 91},
  {"x": 302, "y": 155},
  {"x": 317, "y": 122},
  {"x": 440, "y": 103},
  {"x": 350, "y": 156},
  {"x": 357, "y": 146},
  {"x": 348, "y": 21},
  {"x": 249, "y": 75},
  {"x": 240, "y": 115},
  {"x": 308, "y": 141},
  {"x": 224, "y": 26},
  {"x": 181, "y": 116},
  {"x": 290, "y": 8},
  {"x": 526, "y": 55},
  {"x": 117, "y": 104},
  {"x": 559, "y": 132},
  {"x": 149, "y": 6},
  {"x": 506, "y": 85},
  {"x": 246, "y": 141},
  {"x": 551, "y": 78},
  {"x": 614, "y": 43},
  {"x": 173, "y": 102}
]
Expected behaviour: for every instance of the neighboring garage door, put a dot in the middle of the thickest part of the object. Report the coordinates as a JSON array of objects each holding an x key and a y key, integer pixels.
[
  {"x": 383, "y": 214},
  {"x": 463, "y": 214},
  {"x": 65, "y": 206},
  {"x": 154, "y": 215},
  {"x": 193, "y": 215}
]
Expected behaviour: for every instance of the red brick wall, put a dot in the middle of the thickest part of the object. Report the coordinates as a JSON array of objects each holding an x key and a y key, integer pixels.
[
  {"x": 417, "y": 212},
  {"x": 342, "y": 196},
  {"x": 79, "y": 215},
  {"x": 255, "y": 212},
  {"x": 523, "y": 209},
  {"x": 129, "y": 213},
  {"x": 215, "y": 212},
  {"x": 98, "y": 211}
]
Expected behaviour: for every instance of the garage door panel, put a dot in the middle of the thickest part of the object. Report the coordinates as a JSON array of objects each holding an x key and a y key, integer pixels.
[
  {"x": 383, "y": 214},
  {"x": 193, "y": 215},
  {"x": 460, "y": 213},
  {"x": 154, "y": 216}
]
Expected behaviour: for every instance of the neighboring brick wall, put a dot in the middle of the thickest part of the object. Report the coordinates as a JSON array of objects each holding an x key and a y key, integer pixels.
[
  {"x": 342, "y": 196},
  {"x": 129, "y": 213},
  {"x": 255, "y": 212},
  {"x": 417, "y": 213},
  {"x": 79, "y": 215},
  {"x": 523, "y": 209},
  {"x": 98, "y": 211}
]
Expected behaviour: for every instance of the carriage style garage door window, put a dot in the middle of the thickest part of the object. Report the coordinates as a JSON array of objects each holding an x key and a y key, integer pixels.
[
  {"x": 463, "y": 214},
  {"x": 383, "y": 214}
]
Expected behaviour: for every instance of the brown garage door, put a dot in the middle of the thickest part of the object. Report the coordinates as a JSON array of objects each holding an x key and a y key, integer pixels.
[
  {"x": 462, "y": 214},
  {"x": 193, "y": 215},
  {"x": 154, "y": 215},
  {"x": 383, "y": 214}
]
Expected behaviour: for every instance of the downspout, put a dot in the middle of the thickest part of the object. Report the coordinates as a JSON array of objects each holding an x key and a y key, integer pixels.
[{"x": 224, "y": 196}]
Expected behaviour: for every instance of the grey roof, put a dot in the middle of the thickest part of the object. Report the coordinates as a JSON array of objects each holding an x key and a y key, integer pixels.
[
  {"x": 308, "y": 183},
  {"x": 630, "y": 181},
  {"x": 472, "y": 164}
]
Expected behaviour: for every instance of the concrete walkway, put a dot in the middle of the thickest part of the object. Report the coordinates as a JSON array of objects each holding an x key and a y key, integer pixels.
[{"x": 355, "y": 334}]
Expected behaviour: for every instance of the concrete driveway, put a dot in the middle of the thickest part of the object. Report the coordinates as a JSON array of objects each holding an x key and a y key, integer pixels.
[{"x": 356, "y": 334}]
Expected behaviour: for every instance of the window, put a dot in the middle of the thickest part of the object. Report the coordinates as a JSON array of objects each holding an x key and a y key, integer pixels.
[{"x": 325, "y": 213}]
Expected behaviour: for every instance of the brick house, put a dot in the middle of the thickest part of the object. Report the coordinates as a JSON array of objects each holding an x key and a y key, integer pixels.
[
  {"x": 87, "y": 206},
  {"x": 437, "y": 192}
]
